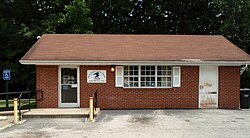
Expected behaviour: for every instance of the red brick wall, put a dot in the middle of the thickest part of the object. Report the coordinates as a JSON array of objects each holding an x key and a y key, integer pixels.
[
  {"x": 229, "y": 87},
  {"x": 47, "y": 81},
  {"x": 110, "y": 96}
]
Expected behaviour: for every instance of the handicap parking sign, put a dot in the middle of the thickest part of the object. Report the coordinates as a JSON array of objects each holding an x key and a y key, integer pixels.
[{"x": 6, "y": 74}]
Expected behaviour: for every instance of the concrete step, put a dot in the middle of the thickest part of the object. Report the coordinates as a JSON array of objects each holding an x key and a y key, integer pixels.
[
  {"x": 7, "y": 113},
  {"x": 3, "y": 117},
  {"x": 59, "y": 113}
]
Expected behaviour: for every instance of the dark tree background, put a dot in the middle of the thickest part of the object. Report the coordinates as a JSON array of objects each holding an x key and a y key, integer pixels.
[{"x": 22, "y": 21}]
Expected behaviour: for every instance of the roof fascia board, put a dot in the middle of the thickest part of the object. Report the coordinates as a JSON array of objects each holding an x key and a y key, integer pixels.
[{"x": 195, "y": 63}]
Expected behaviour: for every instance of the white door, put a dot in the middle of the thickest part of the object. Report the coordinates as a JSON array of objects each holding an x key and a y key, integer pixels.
[
  {"x": 69, "y": 86},
  {"x": 208, "y": 87}
]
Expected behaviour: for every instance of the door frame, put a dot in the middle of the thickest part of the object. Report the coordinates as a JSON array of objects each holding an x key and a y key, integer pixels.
[
  {"x": 217, "y": 89},
  {"x": 73, "y": 105}
]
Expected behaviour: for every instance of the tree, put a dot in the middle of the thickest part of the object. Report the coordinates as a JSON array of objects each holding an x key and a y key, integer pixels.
[
  {"x": 236, "y": 22},
  {"x": 138, "y": 16},
  {"x": 22, "y": 21},
  {"x": 77, "y": 18}
]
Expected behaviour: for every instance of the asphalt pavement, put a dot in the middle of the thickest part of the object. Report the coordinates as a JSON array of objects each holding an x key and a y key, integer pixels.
[{"x": 199, "y": 123}]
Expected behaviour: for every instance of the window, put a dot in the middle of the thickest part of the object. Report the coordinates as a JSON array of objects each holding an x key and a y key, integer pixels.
[
  {"x": 147, "y": 76},
  {"x": 131, "y": 76},
  {"x": 164, "y": 76}
]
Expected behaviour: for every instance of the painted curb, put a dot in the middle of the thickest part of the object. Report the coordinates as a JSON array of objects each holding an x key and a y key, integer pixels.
[{"x": 12, "y": 124}]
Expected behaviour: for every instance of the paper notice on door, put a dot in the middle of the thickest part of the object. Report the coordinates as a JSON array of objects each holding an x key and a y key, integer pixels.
[{"x": 73, "y": 85}]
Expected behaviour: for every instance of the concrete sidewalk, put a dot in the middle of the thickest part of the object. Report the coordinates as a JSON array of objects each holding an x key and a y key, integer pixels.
[
  {"x": 59, "y": 113},
  {"x": 6, "y": 121},
  {"x": 3, "y": 118}
]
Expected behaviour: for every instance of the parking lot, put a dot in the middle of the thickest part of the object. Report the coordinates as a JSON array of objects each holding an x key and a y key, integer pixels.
[{"x": 140, "y": 123}]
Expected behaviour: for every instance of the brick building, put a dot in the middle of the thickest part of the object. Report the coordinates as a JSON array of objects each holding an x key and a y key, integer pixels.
[{"x": 137, "y": 71}]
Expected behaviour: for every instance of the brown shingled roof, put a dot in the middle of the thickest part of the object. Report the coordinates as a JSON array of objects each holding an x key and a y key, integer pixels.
[{"x": 122, "y": 47}]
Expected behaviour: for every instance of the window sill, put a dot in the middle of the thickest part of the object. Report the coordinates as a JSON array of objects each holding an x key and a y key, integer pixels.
[{"x": 147, "y": 87}]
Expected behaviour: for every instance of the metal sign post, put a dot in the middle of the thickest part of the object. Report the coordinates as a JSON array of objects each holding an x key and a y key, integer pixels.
[{"x": 6, "y": 77}]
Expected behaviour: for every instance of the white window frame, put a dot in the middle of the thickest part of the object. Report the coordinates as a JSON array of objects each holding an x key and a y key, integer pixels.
[
  {"x": 131, "y": 76},
  {"x": 167, "y": 76},
  {"x": 139, "y": 76},
  {"x": 150, "y": 76},
  {"x": 60, "y": 104}
]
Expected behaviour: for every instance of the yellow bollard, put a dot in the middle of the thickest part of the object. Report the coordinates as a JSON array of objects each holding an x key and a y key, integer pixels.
[
  {"x": 91, "y": 112},
  {"x": 15, "y": 111}
]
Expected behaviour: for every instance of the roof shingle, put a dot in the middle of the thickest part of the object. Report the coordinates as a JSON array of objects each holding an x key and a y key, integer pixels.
[{"x": 127, "y": 47}]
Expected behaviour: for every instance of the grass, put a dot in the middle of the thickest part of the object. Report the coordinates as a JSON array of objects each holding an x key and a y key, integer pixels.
[{"x": 24, "y": 103}]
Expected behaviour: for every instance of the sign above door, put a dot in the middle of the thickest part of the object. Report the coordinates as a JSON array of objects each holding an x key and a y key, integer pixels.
[{"x": 96, "y": 76}]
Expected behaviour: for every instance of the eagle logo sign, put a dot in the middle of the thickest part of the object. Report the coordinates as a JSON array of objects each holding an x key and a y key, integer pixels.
[{"x": 97, "y": 75}]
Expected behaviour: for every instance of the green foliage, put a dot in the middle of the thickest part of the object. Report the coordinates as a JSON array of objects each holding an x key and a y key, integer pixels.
[
  {"x": 77, "y": 18},
  {"x": 23, "y": 102},
  {"x": 171, "y": 17},
  {"x": 236, "y": 23},
  {"x": 72, "y": 18},
  {"x": 22, "y": 21}
]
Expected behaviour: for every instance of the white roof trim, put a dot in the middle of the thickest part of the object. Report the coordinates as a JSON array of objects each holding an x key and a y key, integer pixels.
[{"x": 182, "y": 62}]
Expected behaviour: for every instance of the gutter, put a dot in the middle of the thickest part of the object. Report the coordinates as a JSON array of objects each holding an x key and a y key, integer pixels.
[{"x": 189, "y": 62}]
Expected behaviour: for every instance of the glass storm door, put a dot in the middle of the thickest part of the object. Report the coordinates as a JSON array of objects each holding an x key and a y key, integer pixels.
[{"x": 69, "y": 88}]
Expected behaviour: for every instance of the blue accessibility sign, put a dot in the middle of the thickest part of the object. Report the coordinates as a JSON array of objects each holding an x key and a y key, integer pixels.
[{"x": 6, "y": 74}]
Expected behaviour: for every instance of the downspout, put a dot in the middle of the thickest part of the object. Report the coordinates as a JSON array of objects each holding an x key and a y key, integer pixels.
[{"x": 243, "y": 69}]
